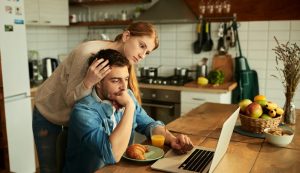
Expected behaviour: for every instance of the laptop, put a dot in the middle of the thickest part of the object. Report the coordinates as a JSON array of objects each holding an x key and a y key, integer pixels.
[{"x": 199, "y": 159}]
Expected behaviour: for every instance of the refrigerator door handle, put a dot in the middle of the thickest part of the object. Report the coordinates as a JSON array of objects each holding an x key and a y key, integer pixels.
[{"x": 16, "y": 97}]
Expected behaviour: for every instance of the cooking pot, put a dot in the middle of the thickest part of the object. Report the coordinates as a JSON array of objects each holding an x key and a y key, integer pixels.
[
  {"x": 181, "y": 72},
  {"x": 149, "y": 71}
]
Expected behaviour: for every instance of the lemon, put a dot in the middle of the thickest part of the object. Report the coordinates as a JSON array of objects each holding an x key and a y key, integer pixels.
[{"x": 202, "y": 81}]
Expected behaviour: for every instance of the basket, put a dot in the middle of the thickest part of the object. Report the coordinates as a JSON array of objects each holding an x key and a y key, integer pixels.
[{"x": 257, "y": 125}]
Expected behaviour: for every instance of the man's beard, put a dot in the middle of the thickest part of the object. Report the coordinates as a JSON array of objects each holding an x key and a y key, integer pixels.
[{"x": 110, "y": 97}]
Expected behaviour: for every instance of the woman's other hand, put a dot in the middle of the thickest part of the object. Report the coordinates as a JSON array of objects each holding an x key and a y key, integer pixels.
[{"x": 95, "y": 73}]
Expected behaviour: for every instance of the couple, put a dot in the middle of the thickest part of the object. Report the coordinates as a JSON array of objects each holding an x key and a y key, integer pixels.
[{"x": 74, "y": 80}]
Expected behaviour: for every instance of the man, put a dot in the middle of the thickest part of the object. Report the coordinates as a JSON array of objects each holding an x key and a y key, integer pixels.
[{"x": 102, "y": 124}]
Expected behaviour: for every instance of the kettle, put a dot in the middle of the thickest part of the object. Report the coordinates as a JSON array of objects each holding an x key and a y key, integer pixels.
[{"x": 49, "y": 65}]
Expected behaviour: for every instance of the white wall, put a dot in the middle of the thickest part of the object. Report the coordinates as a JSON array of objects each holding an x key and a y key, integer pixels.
[
  {"x": 175, "y": 48},
  {"x": 49, "y": 41}
]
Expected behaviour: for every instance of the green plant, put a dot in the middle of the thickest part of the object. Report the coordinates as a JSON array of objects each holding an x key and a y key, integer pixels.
[{"x": 216, "y": 77}]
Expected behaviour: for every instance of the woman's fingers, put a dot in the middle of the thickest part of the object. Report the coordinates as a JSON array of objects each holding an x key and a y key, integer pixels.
[{"x": 101, "y": 64}]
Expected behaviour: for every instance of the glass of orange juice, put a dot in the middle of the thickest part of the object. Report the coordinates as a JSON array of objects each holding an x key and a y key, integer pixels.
[{"x": 158, "y": 140}]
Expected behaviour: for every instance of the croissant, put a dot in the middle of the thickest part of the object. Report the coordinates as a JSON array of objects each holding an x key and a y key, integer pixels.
[{"x": 137, "y": 151}]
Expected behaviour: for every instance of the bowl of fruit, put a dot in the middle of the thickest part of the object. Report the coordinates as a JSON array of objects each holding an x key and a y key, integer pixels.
[
  {"x": 279, "y": 136},
  {"x": 259, "y": 114}
]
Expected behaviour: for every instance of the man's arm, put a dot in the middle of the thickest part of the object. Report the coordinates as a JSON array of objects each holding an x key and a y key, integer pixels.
[
  {"x": 119, "y": 138},
  {"x": 180, "y": 142}
]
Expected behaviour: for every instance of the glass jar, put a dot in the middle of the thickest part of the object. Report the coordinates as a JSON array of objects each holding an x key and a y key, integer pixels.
[{"x": 289, "y": 109}]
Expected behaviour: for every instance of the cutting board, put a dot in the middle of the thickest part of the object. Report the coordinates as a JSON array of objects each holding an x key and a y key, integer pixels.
[{"x": 225, "y": 64}]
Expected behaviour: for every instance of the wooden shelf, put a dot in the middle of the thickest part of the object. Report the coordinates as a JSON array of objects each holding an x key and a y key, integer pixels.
[
  {"x": 257, "y": 10},
  {"x": 103, "y": 23},
  {"x": 110, "y": 2}
]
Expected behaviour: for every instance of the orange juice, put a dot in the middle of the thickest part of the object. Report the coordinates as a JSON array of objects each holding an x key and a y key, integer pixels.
[{"x": 158, "y": 140}]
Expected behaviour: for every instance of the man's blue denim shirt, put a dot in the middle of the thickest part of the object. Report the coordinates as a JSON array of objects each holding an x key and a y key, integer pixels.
[{"x": 90, "y": 126}]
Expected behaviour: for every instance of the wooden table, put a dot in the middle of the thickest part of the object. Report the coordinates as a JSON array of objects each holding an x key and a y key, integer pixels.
[{"x": 244, "y": 154}]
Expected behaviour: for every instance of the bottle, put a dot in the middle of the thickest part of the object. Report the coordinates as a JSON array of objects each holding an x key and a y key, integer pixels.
[
  {"x": 124, "y": 15},
  {"x": 201, "y": 69}
]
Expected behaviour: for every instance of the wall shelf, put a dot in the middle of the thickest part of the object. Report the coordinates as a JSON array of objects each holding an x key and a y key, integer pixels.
[
  {"x": 103, "y": 2},
  {"x": 112, "y": 23}
]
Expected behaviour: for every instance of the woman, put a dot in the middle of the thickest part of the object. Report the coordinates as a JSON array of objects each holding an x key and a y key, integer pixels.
[{"x": 73, "y": 80}]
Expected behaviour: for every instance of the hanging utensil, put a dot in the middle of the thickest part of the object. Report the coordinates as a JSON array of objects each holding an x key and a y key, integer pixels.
[
  {"x": 221, "y": 47},
  {"x": 208, "y": 43},
  {"x": 198, "y": 43}
]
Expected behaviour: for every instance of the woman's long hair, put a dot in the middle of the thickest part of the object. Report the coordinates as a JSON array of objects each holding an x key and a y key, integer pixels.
[{"x": 138, "y": 29}]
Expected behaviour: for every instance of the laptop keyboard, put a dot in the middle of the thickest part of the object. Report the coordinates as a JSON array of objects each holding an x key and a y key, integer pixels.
[{"x": 197, "y": 161}]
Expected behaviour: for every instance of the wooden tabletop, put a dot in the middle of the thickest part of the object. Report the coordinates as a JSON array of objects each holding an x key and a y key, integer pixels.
[{"x": 244, "y": 154}]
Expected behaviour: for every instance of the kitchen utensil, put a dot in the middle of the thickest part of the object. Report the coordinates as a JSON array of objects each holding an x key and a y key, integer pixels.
[
  {"x": 279, "y": 140},
  {"x": 197, "y": 45},
  {"x": 49, "y": 65},
  {"x": 221, "y": 45},
  {"x": 201, "y": 68},
  {"x": 208, "y": 44},
  {"x": 225, "y": 64},
  {"x": 181, "y": 72},
  {"x": 149, "y": 71}
]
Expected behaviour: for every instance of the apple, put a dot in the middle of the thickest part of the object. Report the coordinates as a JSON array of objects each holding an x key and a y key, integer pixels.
[
  {"x": 262, "y": 103},
  {"x": 265, "y": 116},
  {"x": 244, "y": 103},
  {"x": 254, "y": 110}
]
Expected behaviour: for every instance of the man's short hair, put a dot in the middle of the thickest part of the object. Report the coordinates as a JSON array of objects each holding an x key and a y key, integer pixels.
[{"x": 114, "y": 57}]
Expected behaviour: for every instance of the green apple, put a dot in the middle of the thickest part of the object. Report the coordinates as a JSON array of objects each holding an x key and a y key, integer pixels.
[
  {"x": 261, "y": 102},
  {"x": 244, "y": 103},
  {"x": 254, "y": 110},
  {"x": 265, "y": 116}
]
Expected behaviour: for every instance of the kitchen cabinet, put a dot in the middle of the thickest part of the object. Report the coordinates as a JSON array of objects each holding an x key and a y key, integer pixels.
[
  {"x": 45, "y": 12},
  {"x": 192, "y": 99}
]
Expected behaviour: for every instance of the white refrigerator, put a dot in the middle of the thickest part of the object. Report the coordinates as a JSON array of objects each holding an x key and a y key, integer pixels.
[{"x": 16, "y": 86}]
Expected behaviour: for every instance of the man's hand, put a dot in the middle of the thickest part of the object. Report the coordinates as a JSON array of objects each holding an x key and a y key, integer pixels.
[
  {"x": 121, "y": 99},
  {"x": 181, "y": 144}
]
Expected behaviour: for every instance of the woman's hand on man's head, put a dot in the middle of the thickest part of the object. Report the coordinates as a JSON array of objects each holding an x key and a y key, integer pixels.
[{"x": 96, "y": 72}]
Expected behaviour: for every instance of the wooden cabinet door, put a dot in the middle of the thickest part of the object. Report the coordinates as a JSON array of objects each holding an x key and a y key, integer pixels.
[
  {"x": 45, "y": 12},
  {"x": 54, "y": 12},
  {"x": 32, "y": 12}
]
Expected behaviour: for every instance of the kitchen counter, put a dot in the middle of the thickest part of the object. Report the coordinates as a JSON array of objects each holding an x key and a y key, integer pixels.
[
  {"x": 245, "y": 154},
  {"x": 193, "y": 86}
]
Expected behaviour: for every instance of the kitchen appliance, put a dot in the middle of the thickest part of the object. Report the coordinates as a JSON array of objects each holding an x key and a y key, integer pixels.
[
  {"x": 34, "y": 68},
  {"x": 16, "y": 88},
  {"x": 162, "y": 80},
  {"x": 201, "y": 68},
  {"x": 49, "y": 65},
  {"x": 148, "y": 71},
  {"x": 163, "y": 105}
]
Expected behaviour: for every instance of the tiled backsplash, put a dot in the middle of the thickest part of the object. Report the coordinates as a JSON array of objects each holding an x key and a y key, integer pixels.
[{"x": 175, "y": 48}]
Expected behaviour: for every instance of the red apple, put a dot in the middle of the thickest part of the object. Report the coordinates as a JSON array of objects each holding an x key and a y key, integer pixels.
[
  {"x": 254, "y": 110},
  {"x": 244, "y": 103}
]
